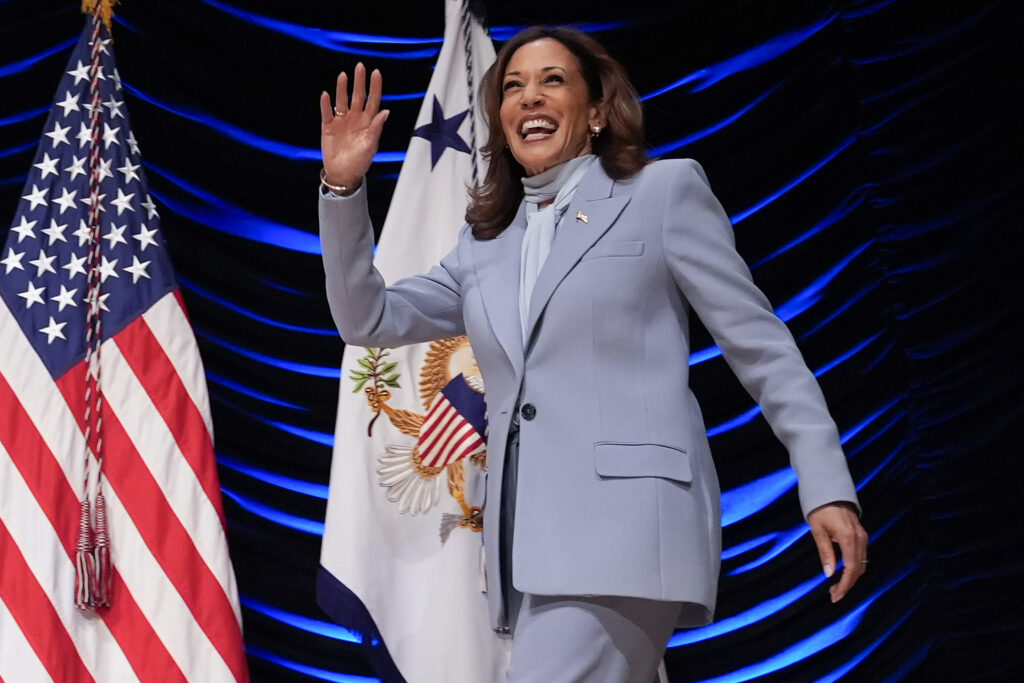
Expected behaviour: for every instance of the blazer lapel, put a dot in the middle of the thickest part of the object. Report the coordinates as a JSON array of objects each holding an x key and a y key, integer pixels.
[
  {"x": 574, "y": 236},
  {"x": 497, "y": 268}
]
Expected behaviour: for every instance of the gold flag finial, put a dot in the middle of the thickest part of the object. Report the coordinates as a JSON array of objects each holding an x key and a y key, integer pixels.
[{"x": 106, "y": 9}]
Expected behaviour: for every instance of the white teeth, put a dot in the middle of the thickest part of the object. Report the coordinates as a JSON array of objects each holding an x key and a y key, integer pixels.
[{"x": 537, "y": 123}]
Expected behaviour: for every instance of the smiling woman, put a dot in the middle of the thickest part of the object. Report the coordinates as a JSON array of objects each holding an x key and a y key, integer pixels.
[
  {"x": 552, "y": 77},
  {"x": 601, "y": 517}
]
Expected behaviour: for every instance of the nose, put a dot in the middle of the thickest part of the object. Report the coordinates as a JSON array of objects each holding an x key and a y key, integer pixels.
[{"x": 532, "y": 96}]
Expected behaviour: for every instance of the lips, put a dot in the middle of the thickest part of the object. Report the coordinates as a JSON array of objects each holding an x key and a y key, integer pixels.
[{"x": 537, "y": 127}]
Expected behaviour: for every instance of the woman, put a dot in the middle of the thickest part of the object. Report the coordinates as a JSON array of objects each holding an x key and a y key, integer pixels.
[{"x": 574, "y": 279}]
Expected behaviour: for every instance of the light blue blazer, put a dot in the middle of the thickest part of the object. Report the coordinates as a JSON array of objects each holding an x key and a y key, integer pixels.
[{"x": 617, "y": 492}]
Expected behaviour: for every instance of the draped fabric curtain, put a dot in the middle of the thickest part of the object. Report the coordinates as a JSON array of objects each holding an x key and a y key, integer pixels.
[{"x": 869, "y": 155}]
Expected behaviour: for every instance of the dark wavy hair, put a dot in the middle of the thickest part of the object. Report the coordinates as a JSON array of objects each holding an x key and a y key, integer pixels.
[{"x": 620, "y": 146}]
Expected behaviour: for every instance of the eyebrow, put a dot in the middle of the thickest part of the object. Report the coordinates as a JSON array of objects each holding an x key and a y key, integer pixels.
[{"x": 546, "y": 68}]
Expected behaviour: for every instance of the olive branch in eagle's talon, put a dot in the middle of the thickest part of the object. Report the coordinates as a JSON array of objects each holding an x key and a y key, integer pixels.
[{"x": 373, "y": 377}]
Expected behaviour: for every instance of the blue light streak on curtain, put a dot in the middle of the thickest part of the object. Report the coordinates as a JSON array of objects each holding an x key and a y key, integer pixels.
[
  {"x": 227, "y": 218},
  {"x": 291, "y": 366},
  {"x": 231, "y": 306},
  {"x": 321, "y": 628},
  {"x": 29, "y": 62},
  {"x": 249, "y": 391},
  {"x": 746, "y": 213},
  {"x": 868, "y": 9},
  {"x": 307, "y": 488},
  {"x": 744, "y": 61},
  {"x": 336, "y": 41},
  {"x": 233, "y": 132},
  {"x": 323, "y": 438},
  {"x": 16, "y": 180},
  {"x": 823, "y": 639},
  {"x": 661, "y": 150},
  {"x": 503, "y": 33},
  {"x": 309, "y": 526},
  {"x": 745, "y": 546},
  {"x": 24, "y": 116},
  {"x": 312, "y": 671},
  {"x": 845, "y": 208},
  {"x": 19, "y": 149},
  {"x": 746, "y": 617}
]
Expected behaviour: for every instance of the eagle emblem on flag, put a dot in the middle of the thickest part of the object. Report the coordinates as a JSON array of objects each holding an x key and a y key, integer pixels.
[{"x": 449, "y": 437}]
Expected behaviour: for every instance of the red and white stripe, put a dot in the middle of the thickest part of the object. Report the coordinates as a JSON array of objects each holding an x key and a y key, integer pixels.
[
  {"x": 446, "y": 436},
  {"x": 175, "y": 613}
]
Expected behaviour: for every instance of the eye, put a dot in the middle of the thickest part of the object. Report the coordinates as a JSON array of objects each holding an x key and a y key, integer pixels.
[
  {"x": 554, "y": 78},
  {"x": 510, "y": 84}
]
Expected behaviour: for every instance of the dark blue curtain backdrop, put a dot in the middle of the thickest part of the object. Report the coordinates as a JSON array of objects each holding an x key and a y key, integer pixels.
[{"x": 869, "y": 153}]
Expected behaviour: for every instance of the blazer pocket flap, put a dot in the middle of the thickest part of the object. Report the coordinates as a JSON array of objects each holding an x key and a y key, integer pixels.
[
  {"x": 642, "y": 460},
  {"x": 606, "y": 249}
]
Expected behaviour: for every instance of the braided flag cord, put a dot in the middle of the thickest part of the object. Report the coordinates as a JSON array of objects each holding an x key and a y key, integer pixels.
[{"x": 113, "y": 552}]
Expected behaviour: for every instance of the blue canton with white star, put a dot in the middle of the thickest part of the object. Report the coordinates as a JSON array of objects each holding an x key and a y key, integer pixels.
[
  {"x": 443, "y": 133},
  {"x": 43, "y": 266}
]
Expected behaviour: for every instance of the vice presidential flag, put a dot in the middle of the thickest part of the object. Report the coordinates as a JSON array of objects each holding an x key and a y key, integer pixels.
[
  {"x": 402, "y": 531},
  {"x": 171, "y": 612}
]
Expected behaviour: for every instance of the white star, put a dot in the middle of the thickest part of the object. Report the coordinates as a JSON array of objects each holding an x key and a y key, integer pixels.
[
  {"x": 53, "y": 330},
  {"x": 110, "y": 136},
  {"x": 47, "y": 166},
  {"x": 84, "y": 136},
  {"x": 103, "y": 302},
  {"x": 44, "y": 264},
  {"x": 150, "y": 207},
  {"x": 81, "y": 73},
  {"x": 66, "y": 200},
  {"x": 137, "y": 269},
  {"x": 64, "y": 298},
  {"x": 69, "y": 104},
  {"x": 32, "y": 295},
  {"x": 103, "y": 46},
  {"x": 77, "y": 167},
  {"x": 107, "y": 269},
  {"x": 89, "y": 108},
  {"x": 117, "y": 80},
  {"x": 55, "y": 232},
  {"x": 99, "y": 73},
  {"x": 12, "y": 261},
  {"x": 145, "y": 237},
  {"x": 88, "y": 202},
  {"x": 84, "y": 233},
  {"x": 58, "y": 135},
  {"x": 132, "y": 144},
  {"x": 123, "y": 201},
  {"x": 104, "y": 169},
  {"x": 36, "y": 197},
  {"x": 74, "y": 266},
  {"x": 116, "y": 235},
  {"x": 129, "y": 171},
  {"x": 24, "y": 229},
  {"x": 115, "y": 107}
]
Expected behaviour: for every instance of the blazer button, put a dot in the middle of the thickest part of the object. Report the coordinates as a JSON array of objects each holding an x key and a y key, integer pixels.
[{"x": 528, "y": 411}]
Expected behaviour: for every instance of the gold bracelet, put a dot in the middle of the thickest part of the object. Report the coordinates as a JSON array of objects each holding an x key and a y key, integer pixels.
[{"x": 336, "y": 189}]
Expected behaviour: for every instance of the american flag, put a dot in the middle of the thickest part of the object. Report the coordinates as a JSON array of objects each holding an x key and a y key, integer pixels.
[
  {"x": 455, "y": 425},
  {"x": 174, "y": 612}
]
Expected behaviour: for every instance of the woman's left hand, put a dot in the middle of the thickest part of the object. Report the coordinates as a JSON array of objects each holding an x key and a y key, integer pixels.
[{"x": 838, "y": 523}]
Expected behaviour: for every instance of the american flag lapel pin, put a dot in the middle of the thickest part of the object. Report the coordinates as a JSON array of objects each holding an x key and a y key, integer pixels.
[{"x": 580, "y": 216}]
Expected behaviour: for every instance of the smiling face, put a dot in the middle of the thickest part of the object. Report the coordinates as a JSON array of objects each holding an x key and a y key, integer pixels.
[{"x": 546, "y": 112}]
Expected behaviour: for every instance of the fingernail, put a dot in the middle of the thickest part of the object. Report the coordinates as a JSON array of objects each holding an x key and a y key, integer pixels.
[{"x": 827, "y": 568}]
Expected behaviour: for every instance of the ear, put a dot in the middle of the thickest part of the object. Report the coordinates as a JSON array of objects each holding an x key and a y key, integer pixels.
[{"x": 596, "y": 115}]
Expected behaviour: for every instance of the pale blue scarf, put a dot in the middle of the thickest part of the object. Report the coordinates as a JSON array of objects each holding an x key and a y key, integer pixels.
[{"x": 559, "y": 182}]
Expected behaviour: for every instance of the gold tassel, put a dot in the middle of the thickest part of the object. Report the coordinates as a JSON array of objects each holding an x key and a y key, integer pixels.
[{"x": 106, "y": 9}]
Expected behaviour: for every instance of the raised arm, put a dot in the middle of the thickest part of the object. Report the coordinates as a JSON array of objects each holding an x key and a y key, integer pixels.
[{"x": 367, "y": 313}]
